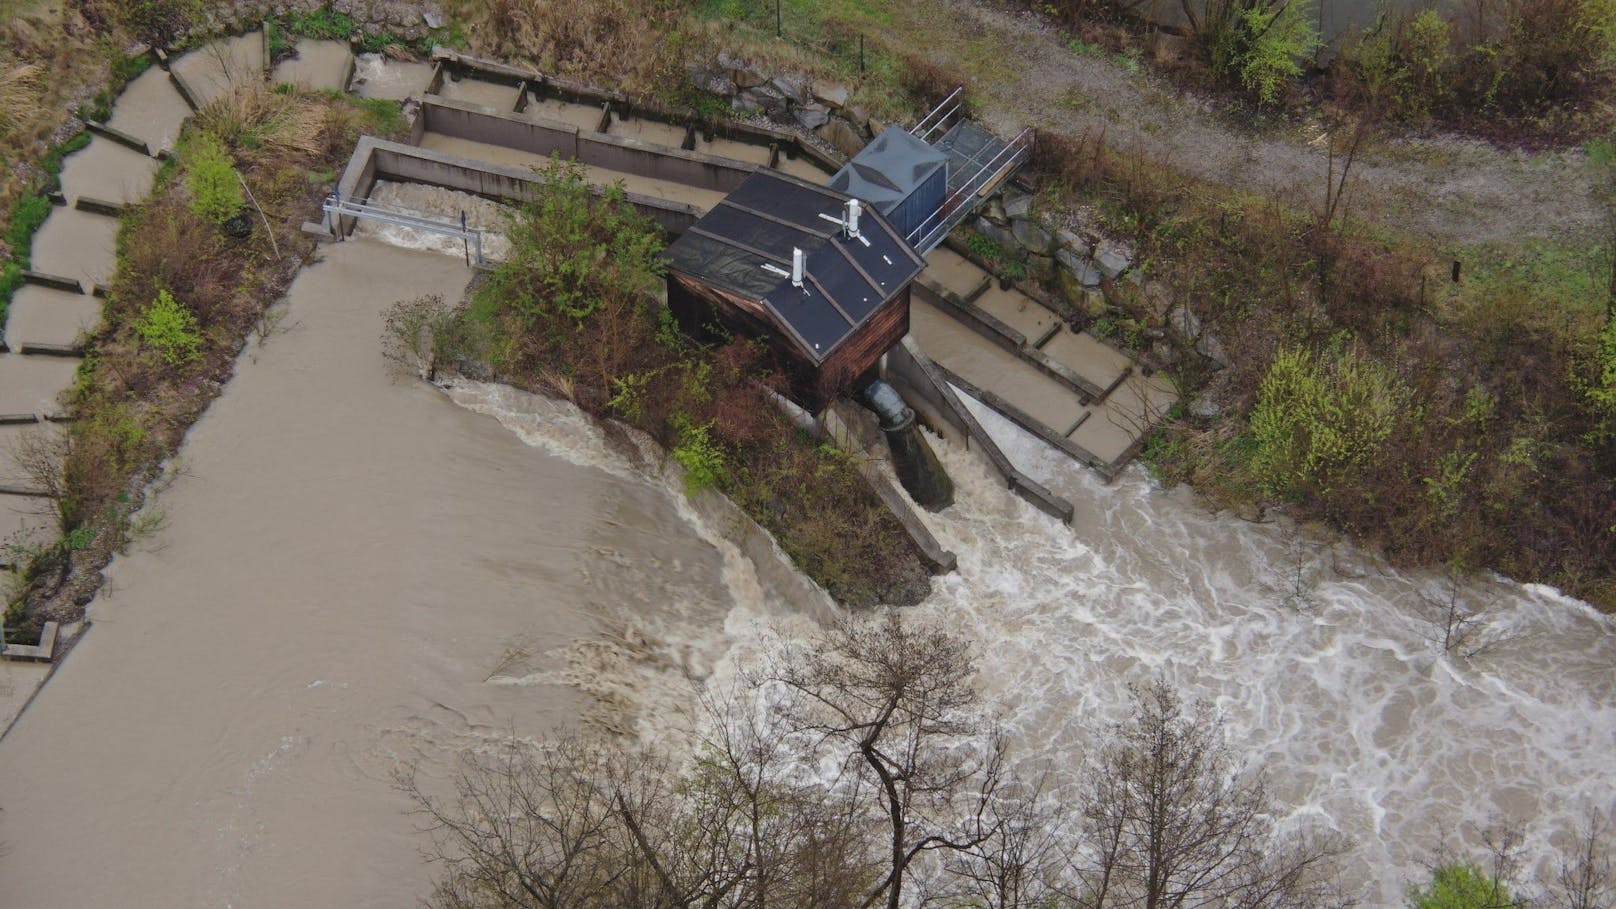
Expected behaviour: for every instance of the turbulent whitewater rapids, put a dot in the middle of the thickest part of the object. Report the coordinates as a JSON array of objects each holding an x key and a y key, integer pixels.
[{"x": 1343, "y": 693}]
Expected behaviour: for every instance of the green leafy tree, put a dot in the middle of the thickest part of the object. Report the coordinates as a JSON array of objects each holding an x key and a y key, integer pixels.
[
  {"x": 1258, "y": 44},
  {"x": 1461, "y": 886},
  {"x": 210, "y": 177},
  {"x": 570, "y": 250},
  {"x": 170, "y": 329}
]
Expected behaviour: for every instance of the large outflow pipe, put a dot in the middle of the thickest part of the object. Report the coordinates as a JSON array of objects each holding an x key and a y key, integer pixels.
[{"x": 912, "y": 458}]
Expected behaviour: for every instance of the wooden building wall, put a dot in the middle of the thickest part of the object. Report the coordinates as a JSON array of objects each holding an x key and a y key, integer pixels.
[{"x": 697, "y": 305}]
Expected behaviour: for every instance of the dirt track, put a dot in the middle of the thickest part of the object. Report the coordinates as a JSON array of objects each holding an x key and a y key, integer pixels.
[{"x": 1448, "y": 189}]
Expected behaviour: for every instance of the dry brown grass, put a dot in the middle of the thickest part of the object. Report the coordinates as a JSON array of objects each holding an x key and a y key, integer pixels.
[
  {"x": 21, "y": 96},
  {"x": 639, "y": 46}
]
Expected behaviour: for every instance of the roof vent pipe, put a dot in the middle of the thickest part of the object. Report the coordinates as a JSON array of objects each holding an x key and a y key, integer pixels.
[
  {"x": 796, "y": 266},
  {"x": 852, "y": 218}
]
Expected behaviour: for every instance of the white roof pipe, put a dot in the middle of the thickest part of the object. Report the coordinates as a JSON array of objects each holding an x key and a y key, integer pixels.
[
  {"x": 853, "y": 209},
  {"x": 797, "y": 262}
]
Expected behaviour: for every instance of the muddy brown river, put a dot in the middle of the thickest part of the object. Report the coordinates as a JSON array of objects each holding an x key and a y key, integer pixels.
[{"x": 358, "y": 573}]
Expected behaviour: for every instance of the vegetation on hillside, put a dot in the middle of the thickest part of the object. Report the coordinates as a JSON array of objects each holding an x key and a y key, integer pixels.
[
  {"x": 571, "y": 311},
  {"x": 1455, "y": 423}
]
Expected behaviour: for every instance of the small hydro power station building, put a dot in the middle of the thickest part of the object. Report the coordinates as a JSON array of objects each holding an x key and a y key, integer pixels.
[
  {"x": 823, "y": 273},
  {"x": 902, "y": 176},
  {"x": 813, "y": 272}
]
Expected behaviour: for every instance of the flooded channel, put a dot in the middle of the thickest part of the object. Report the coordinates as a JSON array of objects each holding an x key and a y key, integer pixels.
[
  {"x": 357, "y": 573},
  {"x": 316, "y": 65},
  {"x": 442, "y": 204},
  {"x": 150, "y": 109}
]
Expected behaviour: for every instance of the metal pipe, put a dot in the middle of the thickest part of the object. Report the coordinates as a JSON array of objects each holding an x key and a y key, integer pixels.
[{"x": 888, "y": 405}]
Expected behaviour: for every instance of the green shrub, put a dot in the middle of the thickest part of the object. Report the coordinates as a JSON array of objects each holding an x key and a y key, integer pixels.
[
  {"x": 1257, "y": 44},
  {"x": 210, "y": 176},
  {"x": 26, "y": 219},
  {"x": 699, "y": 454},
  {"x": 170, "y": 329},
  {"x": 158, "y": 22},
  {"x": 323, "y": 24},
  {"x": 577, "y": 250},
  {"x": 125, "y": 69},
  {"x": 1461, "y": 887},
  {"x": 1320, "y": 419},
  {"x": 1603, "y": 390}
]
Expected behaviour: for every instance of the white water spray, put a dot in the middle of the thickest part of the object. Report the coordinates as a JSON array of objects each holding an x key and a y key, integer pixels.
[{"x": 1360, "y": 721}]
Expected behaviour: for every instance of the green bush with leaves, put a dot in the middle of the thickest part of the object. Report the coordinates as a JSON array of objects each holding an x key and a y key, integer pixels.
[
  {"x": 170, "y": 329},
  {"x": 1461, "y": 886},
  {"x": 1257, "y": 44},
  {"x": 1321, "y": 417},
  {"x": 210, "y": 177},
  {"x": 699, "y": 454},
  {"x": 578, "y": 249}
]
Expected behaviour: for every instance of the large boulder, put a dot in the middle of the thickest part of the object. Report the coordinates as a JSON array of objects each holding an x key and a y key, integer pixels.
[
  {"x": 1112, "y": 259},
  {"x": 841, "y": 135},
  {"x": 830, "y": 94},
  {"x": 793, "y": 86},
  {"x": 1031, "y": 235},
  {"x": 811, "y": 116},
  {"x": 1017, "y": 205}
]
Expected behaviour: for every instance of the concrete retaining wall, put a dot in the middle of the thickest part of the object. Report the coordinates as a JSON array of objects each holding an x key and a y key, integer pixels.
[
  {"x": 375, "y": 159},
  {"x": 540, "y": 136},
  {"x": 547, "y": 86},
  {"x": 928, "y": 392},
  {"x": 476, "y": 123}
]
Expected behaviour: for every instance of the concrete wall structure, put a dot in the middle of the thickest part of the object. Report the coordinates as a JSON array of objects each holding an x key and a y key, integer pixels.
[{"x": 375, "y": 159}]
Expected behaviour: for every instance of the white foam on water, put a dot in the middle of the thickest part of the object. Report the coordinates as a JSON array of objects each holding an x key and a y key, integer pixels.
[
  {"x": 1361, "y": 723},
  {"x": 662, "y": 639},
  {"x": 442, "y": 204}
]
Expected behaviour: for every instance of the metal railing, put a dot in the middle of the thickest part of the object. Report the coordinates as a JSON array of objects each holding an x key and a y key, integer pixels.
[
  {"x": 928, "y": 233},
  {"x": 336, "y": 208},
  {"x": 938, "y": 116}
]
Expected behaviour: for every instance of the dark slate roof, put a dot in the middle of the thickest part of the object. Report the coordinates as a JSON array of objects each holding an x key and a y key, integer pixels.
[
  {"x": 761, "y": 221},
  {"x": 887, "y": 170}
]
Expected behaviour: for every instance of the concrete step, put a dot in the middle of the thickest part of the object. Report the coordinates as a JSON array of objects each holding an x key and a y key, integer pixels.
[
  {"x": 151, "y": 110},
  {"x": 32, "y": 384},
  {"x": 24, "y": 522},
  {"x": 1093, "y": 361},
  {"x": 77, "y": 244},
  {"x": 318, "y": 65},
  {"x": 45, "y": 315},
  {"x": 107, "y": 170}
]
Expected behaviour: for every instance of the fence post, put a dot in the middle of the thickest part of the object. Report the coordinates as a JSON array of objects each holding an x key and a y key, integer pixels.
[
  {"x": 778, "y": 28},
  {"x": 861, "y": 53},
  {"x": 465, "y": 240}
]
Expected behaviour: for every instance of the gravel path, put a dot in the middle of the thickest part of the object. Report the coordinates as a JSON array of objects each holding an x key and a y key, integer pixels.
[{"x": 1449, "y": 189}]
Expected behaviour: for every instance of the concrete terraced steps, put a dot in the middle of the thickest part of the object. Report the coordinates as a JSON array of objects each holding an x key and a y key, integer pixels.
[
  {"x": 74, "y": 251},
  {"x": 1007, "y": 350}
]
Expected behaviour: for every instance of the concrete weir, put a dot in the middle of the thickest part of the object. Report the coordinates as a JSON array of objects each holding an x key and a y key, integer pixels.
[{"x": 151, "y": 110}]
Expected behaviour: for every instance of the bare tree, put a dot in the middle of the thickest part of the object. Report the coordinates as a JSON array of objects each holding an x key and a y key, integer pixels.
[
  {"x": 1019, "y": 865},
  {"x": 1459, "y": 626},
  {"x": 525, "y": 828},
  {"x": 1586, "y": 878},
  {"x": 1172, "y": 820},
  {"x": 896, "y": 705}
]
